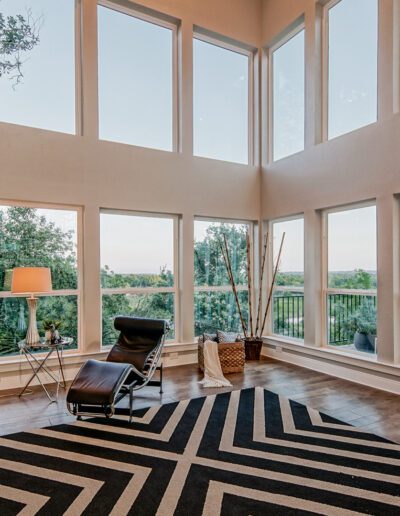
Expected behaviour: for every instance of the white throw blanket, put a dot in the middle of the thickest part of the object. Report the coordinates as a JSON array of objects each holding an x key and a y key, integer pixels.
[{"x": 213, "y": 376}]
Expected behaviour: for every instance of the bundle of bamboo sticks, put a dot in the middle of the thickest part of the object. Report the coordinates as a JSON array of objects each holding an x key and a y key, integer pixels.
[{"x": 257, "y": 332}]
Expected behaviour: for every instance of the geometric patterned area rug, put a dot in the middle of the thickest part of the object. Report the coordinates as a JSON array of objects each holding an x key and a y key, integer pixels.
[{"x": 248, "y": 452}]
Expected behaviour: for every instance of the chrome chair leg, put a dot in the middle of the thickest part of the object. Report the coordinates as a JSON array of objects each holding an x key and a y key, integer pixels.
[
  {"x": 130, "y": 403},
  {"x": 161, "y": 378}
]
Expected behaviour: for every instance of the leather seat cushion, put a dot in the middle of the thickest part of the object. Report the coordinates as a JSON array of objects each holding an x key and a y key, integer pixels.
[{"x": 97, "y": 382}]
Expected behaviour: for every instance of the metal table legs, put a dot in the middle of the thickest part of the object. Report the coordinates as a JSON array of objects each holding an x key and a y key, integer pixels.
[{"x": 41, "y": 366}]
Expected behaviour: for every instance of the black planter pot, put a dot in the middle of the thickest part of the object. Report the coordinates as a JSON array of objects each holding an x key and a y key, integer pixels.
[
  {"x": 363, "y": 342},
  {"x": 252, "y": 348}
]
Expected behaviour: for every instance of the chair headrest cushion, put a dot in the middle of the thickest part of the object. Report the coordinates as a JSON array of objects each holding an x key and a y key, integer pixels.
[{"x": 140, "y": 325}]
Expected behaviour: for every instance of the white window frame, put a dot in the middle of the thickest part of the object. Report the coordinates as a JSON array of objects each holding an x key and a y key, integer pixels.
[
  {"x": 271, "y": 265},
  {"x": 325, "y": 71},
  {"x": 270, "y": 90},
  {"x": 227, "y": 288},
  {"x": 149, "y": 290},
  {"x": 78, "y": 68},
  {"x": 326, "y": 290},
  {"x": 57, "y": 293},
  {"x": 161, "y": 22},
  {"x": 251, "y": 85}
]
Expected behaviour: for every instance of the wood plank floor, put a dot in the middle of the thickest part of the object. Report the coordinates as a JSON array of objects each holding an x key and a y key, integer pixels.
[{"x": 371, "y": 409}]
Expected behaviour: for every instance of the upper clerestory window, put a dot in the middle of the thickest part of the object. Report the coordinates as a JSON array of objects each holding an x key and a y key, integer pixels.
[
  {"x": 287, "y": 96},
  {"x": 37, "y": 73},
  {"x": 137, "y": 63},
  {"x": 351, "y": 42}
]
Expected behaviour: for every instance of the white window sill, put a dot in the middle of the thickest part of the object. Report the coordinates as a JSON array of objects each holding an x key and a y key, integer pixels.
[{"x": 359, "y": 359}]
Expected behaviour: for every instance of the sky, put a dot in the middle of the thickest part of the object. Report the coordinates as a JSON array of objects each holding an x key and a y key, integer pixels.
[
  {"x": 352, "y": 240},
  {"x": 132, "y": 111},
  {"x": 288, "y": 97},
  {"x": 353, "y": 58},
  {"x": 292, "y": 257},
  {"x": 140, "y": 111},
  {"x": 220, "y": 103},
  {"x": 132, "y": 244}
]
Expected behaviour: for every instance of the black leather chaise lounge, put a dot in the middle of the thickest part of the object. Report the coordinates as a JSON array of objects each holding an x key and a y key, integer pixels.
[{"x": 130, "y": 365}]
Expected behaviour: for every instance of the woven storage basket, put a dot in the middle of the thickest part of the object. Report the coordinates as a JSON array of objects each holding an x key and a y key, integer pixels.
[{"x": 231, "y": 356}]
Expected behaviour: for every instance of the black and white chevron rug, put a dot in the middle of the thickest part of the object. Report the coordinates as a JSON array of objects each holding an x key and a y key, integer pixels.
[{"x": 248, "y": 452}]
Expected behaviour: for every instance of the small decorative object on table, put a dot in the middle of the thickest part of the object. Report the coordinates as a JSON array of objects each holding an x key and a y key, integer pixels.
[
  {"x": 253, "y": 341},
  {"x": 51, "y": 329}
]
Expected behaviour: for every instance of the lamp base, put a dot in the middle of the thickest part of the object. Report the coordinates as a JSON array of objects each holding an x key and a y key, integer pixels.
[{"x": 32, "y": 334}]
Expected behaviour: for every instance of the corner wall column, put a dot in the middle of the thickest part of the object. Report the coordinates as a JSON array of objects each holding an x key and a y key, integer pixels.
[
  {"x": 313, "y": 317},
  {"x": 387, "y": 237}
]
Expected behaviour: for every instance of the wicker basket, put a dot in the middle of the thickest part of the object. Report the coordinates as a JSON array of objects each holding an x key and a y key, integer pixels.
[{"x": 231, "y": 356}]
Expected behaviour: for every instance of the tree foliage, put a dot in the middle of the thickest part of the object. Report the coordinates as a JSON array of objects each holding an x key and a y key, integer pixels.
[{"x": 18, "y": 35}]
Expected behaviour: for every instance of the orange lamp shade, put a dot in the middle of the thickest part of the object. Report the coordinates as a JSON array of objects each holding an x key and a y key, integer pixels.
[{"x": 31, "y": 280}]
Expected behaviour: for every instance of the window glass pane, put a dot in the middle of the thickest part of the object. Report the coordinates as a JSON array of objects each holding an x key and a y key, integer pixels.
[
  {"x": 288, "y": 305},
  {"x": 352, "y": 265},
  {"x": 291, "y": 265},
  {"x": 288, "y": 97},
  {"x": 352, "y": 65},
  {"x": 42, "y": 94},
  {"x": 135, "y": 81},
  {"x": 36, "y": 237},
  {"x": 209, "y": 266},
  {"x": 352, "y": 249},
  {"x": 220, "y": 103},
  {"x": 217, "y": 311},
  {"x": 14, "y": 319},
  {"x": 288, "y": 315},
  {"x": 136, "y": 251},
  {"x": 158, "y": 306}
]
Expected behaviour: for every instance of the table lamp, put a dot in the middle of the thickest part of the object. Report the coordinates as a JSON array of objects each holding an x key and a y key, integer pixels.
[{"x": 31, "y": 280}]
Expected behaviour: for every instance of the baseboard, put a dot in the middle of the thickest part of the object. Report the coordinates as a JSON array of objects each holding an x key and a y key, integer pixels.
[{"x": 348, "y": 372}]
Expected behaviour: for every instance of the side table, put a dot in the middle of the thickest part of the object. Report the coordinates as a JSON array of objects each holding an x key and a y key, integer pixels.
[{"x": 38, "y": 365}]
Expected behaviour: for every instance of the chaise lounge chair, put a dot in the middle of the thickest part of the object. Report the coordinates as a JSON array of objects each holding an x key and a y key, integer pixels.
[{"x": 99, "y": 386}]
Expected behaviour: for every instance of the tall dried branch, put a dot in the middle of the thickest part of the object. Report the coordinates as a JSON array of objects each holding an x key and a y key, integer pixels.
[
  {"x": 227, "y": 260},
  {"x": 271, "y": 289},
  {"x": 259, "y": 304},
  {"x": 249, "y": 282}
]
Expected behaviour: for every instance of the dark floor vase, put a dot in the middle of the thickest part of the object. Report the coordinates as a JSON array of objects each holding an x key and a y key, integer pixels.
[
  {"x": 364, "y": 342},
  {"x": 253, "y": 348}
]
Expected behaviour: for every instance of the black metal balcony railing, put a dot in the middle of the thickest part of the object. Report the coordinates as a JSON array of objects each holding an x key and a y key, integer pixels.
[
  {"x": 288, "y": 314},
  {"x": 339, "y": 307}
]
